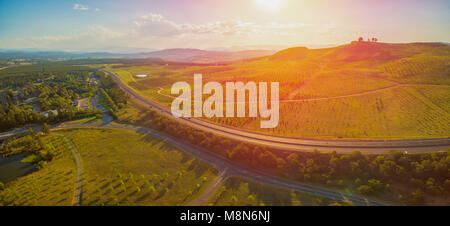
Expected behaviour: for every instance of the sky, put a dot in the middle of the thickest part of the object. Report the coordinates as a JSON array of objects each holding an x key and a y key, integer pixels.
[{"x": 207, "y": 24}]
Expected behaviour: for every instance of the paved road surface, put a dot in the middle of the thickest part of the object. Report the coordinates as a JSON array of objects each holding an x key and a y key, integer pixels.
[
  {"x": 211, "y": 190},
  {"x": 83, "y": 104},
  {"x": 297, "y": 144}
]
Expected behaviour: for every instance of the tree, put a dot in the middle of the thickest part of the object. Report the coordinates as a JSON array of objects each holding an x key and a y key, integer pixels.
[
  {"x": 365, "y": 190},
  {"x": 45, "y": 128},
  {"x": 447, "y": 185},
  {"x": 375, "y": 184},
  {"x": 416, "y": 197},
  {"x": 251, "y": 199},
  {"x": 31, "y": 131},
  {"x": 234, "y": 199}
]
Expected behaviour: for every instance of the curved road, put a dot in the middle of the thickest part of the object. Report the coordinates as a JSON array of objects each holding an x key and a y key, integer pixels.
[
  {"x": 228, "y": 168},
  {"x": 297, "y": 144}
]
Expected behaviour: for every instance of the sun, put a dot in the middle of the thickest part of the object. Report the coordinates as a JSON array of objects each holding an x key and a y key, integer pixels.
[{"x": 268, "y": 4}]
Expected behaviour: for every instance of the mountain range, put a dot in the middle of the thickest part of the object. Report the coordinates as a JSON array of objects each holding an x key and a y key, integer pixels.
[{"x": 180, "y": 55}]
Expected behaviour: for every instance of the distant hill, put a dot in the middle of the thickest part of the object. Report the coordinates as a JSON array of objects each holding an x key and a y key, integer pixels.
[
  {"x": 363, "y": 51},
  {"x": 180, "y": 55},
  {"x": 203, "y": 56}
]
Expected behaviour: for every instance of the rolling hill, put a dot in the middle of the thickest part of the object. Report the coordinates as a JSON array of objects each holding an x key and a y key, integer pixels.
[{"x": 362, "y": 90}]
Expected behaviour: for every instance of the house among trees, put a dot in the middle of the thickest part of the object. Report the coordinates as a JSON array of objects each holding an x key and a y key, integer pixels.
[
  {"x": 45, "y": 80},
  {"x": 49, "y": 112},
  {"x": 31, "y": 100}
]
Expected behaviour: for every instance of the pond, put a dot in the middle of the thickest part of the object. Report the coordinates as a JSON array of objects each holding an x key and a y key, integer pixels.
[{"x": 12, "y": 167}]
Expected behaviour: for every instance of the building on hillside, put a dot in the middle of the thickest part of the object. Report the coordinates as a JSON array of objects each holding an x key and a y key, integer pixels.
[
  {"x": 45, "y": 80},
  {"x": 141, "y": 76}
]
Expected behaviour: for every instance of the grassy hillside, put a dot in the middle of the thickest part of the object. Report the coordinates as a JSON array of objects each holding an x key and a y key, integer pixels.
[
  {"x": 126, "y": 168},
  {"x": 334, "y": 92}
]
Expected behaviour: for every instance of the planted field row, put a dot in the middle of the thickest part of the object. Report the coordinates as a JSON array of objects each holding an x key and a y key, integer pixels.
[
  {"x": 126, "y": 168},
  {"x": 394, "y": 113},
  {"x": 405, "y": 68}
]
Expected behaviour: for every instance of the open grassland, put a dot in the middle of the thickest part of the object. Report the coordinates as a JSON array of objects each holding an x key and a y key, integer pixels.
[
  {"x": 51, "y": 185},
  {"x": 396, "y": 113},
  {"x": 420, "y": 69},
  {"x": 243, "y": 192},
  {"x": 133, "y": 113},
  {"x": 361, "y": 90},
  {"x": 127, "y": 168}
]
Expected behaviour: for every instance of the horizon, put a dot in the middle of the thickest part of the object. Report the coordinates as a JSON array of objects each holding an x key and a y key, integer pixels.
[
  {"x": 199, "y": 24},
  {"x": 130, "y": 51}
]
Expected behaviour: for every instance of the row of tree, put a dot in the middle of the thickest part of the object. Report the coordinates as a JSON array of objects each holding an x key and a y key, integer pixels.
[
  {"x": 114, "y": 97},
  {"x": 421, "y": 174}
]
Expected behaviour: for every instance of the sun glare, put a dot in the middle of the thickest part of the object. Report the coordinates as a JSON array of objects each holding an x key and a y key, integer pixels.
[{"x": 268, "y": 4}]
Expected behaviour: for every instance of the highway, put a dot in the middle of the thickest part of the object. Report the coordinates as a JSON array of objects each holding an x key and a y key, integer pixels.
[
  {"x": 228, "y": 168},
  {"x": 296, "y": 144}
]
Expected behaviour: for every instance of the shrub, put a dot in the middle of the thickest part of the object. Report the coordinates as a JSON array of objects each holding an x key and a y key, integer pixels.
[{"x": 365, "y": 190}]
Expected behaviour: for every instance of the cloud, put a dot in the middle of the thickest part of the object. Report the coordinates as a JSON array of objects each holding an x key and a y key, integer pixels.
[
  {"x": 158, "y": 25},
  {"x": 93, "y": 37},
  {"x": 153, "y": 30},
  {"x": 80, "y": 7}
]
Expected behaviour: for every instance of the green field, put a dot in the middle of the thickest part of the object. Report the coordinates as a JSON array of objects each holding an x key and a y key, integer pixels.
[
  {"x": 360, "y": 90},
  {"x": 243, "y": 192},
  {"x": 126, "y": 168}
]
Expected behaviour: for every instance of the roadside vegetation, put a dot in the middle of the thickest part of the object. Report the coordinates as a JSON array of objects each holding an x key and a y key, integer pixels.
[
  {"x": 243, "y": 192},
  {"x": 111, "y": 96}
]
